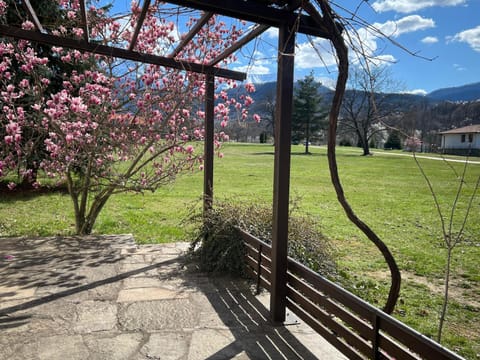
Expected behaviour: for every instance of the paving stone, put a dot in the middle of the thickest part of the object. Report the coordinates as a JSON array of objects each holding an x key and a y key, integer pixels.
[
  {"x": 8, "y": 293},
  {"x": 138, "y": 270},
  {"x": 142, "y": 282},
  {"x": 114, "y": 346},
  {"x": 53, "y": 348},
  {"x": 158, "y": 315},
  {"x": 167, "y": 346},
  {"x": 214, "y": 345},
  {"x": 148, "y": 294},
  {"x": 95, "y": 316}
]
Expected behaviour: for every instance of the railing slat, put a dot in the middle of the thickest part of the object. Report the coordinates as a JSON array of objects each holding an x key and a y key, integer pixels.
[
  {"x": 394, "y": 349},
  {"x": 263, "y": 282},
  {"x": 313, "y": 295},
  {"x": 265, "y": 273},
  {"x": 252, "y": 252},
  {"x": 416, "y": 342},
  {"x": 333, "y": 290},
  {"x": 327, "y": 321}
]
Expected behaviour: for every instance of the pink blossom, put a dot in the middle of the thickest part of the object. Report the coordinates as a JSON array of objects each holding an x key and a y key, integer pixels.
[
  {"x": 8, "y": 139},
  {"x": 24, "y": 83},
  {"x": 28, "y": 25},
  {"x": 250, "y": 87},
  {"x": 256, "y": 117}
]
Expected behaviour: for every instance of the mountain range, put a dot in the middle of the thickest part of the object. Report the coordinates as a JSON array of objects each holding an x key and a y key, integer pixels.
[{"x": 470, "y": 92}]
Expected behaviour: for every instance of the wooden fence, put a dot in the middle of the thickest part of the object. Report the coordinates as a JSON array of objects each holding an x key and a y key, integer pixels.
[{"x": 354, "y": 327}]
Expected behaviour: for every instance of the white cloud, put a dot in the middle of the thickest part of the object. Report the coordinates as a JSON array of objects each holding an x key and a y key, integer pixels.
[
  {"x": 408, "y": 6},
  {"x": 404, "y": 25},
  {"x": 326, "y": 81},
  {"x": 416, "y": 92},
  {"x": 259, "y": 58},
  {"x": 253, "y": 69},
  {"x": 272, "y": 32},
  {"x": 429, "y": 40},
  {"x": 470, "y": 36},
  {"x": 315, "y": 54},
  {"x": 459, "y": 67}
]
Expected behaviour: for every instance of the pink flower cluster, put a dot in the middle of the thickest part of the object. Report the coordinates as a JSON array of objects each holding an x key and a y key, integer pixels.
[{"x": 144, "y": 116}]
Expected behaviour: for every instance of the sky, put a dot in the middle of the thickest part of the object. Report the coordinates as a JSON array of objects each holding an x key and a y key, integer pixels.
[
  {"x": 444, "y": 35},
  {"x": 428, "y": 44}
]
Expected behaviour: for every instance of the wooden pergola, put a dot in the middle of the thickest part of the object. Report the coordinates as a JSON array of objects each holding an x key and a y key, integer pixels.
[{"x": 290, "y": 17}]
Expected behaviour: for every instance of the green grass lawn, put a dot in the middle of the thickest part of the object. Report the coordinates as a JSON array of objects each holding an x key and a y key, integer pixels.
[{"x": 388, "y": 192}]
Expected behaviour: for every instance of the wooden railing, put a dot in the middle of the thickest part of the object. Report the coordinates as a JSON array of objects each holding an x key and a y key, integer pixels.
[{"x": 356, "y": 328}]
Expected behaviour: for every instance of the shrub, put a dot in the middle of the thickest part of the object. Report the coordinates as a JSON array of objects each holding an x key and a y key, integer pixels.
[{"x": 219, "y": 247}]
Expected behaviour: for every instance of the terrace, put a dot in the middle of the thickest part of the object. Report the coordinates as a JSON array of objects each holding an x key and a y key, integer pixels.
[{"x": 107, "y": 298}]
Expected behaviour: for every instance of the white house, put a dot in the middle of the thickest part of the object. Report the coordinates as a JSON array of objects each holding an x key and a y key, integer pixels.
[{"x": 461, "y": 141}]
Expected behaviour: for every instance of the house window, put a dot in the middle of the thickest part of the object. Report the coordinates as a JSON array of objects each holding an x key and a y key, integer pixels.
[
  {"x": 470, "y": 138},
  {"x": 463, "y": 138}
]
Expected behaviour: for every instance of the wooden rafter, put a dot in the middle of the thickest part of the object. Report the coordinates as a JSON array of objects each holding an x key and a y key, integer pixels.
[
  {"x": 193, "y": 31},
  {"x": 138, "y": 27},
  {"x": 84, "y": 20},
  {"x": 258, "y": 12},
  {"x": 33, "y": 15},
  {"x": 256, "y": 31},
  {"x": 81, "y": 45}
]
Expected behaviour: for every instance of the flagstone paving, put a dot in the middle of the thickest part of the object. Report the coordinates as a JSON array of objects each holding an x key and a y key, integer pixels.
[{"x": 104, "y": 297}]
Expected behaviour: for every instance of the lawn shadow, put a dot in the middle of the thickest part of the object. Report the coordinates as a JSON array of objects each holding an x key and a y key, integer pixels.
[
  {"x": 295, "y": 153},
  {"x": 27, "y": 192}
]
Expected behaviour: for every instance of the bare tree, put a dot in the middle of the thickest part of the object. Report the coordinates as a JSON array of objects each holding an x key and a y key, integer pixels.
[
  {"x": 366, "y": 104},
  {"x": 453, "y": 225}
]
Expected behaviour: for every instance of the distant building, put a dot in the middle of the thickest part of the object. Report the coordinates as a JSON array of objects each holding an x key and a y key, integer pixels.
[{"x": 461, "y": 141}]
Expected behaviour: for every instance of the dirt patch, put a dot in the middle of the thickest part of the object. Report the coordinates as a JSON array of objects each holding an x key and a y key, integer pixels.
[{"x": 462, "y": 291}]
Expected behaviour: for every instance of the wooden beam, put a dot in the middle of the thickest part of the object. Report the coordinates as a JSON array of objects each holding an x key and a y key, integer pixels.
[
  {"x": 138, "y": 27},
  {"x": 208, "y": 143},
  {"x": 83, "y": 16},
  {"x": 33, "y": 15},
  {"x": 257, "y": 30},
  {"x": 81, "y": 45},
  {"x": 193, "y": 31},
  {"x": 254, "y": 11},
  {"x": 281, "y": 180}
]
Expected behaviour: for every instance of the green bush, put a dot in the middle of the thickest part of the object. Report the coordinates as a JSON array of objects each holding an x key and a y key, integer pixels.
[{"x": 219, "y": 246}]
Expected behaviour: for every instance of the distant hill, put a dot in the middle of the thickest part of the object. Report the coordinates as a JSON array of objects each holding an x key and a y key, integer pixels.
[
  {"x": 266, "y": 92},
  {"x": 468, "y": 92}
]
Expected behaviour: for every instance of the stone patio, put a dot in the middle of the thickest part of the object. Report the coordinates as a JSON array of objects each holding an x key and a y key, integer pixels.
[{"x": 104, "y": 297}]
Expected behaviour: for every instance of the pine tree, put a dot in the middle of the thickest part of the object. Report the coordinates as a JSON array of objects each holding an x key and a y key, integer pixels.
[{"x": 308, "y": 115}]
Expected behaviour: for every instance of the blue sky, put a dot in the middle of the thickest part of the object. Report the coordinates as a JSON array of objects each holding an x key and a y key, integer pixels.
[{"x": 445, "y": 34}]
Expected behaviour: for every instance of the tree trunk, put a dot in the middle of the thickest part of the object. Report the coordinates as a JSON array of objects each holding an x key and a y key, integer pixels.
[
  {"x": 366, "y": 148},
  {"x": 443, "y": 313}
]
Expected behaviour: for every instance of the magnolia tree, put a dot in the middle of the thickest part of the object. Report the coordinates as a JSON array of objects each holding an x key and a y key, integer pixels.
[{"x": 118, "y": 126}]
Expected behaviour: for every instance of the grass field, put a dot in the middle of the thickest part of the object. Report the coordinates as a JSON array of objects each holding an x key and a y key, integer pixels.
[{"x": 387, "y": 191}]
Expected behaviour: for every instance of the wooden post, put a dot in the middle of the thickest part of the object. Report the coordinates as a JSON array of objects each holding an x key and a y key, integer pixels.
[
  {"x": 208, "y": 143},
  {"x": 281, "y": 181}
]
